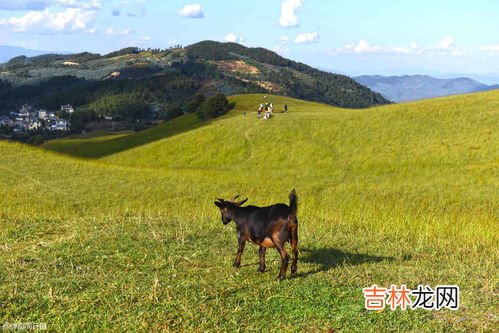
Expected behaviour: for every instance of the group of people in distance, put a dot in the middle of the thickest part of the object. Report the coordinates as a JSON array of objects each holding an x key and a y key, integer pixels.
[{"x": 266, "y": 109}]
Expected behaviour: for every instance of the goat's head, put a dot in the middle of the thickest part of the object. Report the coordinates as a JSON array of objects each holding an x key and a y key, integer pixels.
[{"x": 225, "y": 207}]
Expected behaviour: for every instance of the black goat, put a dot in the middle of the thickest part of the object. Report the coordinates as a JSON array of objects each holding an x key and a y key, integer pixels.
[{"x": 269, "y": 226}]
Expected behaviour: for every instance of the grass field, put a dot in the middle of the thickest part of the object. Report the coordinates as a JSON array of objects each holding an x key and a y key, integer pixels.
[{"x": 119, "y": 233}]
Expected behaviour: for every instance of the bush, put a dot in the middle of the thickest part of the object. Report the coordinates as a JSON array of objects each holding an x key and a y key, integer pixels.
[
  {"x": 194, "y": 104},
  {"x": 214, "y": 107},
  {"x": 36, "y": 140},
  {"x": 174, "y": 111}
]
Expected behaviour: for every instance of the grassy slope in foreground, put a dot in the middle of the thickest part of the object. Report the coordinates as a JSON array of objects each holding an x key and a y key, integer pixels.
[{"x": 403, "y": 194}]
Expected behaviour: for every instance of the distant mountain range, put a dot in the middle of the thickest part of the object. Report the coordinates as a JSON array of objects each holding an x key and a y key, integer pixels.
[
  {"x": 415, "y": 87},
  {"x": 8, "y": 52}
]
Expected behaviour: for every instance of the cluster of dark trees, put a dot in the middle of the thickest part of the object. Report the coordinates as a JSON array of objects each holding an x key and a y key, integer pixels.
[
  {"x": 205, "y": 109},
  {"x": 35, "y": 137},
  {"x": 214, "y": 107}
]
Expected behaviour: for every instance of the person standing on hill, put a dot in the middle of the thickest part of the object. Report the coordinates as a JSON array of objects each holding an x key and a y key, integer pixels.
[{"x": 285, "y": 108}]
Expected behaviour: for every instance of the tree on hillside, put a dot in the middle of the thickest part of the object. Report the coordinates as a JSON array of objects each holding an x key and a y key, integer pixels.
[
  {"x": 80, "y": 118},
  {"x": 214, "y": 106},
  {"x": 174, "y": 111},
  {"x": 193, "y": 105}
]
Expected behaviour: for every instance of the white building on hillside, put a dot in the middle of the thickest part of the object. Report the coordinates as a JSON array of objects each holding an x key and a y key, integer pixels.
[
  {"x": 61, "y": 125},
  {"x": 42, "y": 114},
  {"x": 25, "y": 110},
  {"x": 68, "y": 108},
  {"x": 34, "y": 125}
]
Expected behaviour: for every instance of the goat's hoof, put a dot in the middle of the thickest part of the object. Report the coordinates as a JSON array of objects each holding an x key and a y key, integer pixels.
[
  {"x": 293, "y": 271},
  {"x": 260, "y": 269},
  {"x": 281, "y": 277},
  {"x": 236, "y": 265}
]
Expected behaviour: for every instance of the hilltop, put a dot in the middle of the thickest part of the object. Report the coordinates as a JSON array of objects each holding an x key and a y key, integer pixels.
[
  {"x": 165, "y": 80},
  {"x": 415, "y": 87}
]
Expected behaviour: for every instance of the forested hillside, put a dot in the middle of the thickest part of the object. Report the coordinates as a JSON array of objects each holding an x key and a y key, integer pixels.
[{"x": 132, "y": 84}]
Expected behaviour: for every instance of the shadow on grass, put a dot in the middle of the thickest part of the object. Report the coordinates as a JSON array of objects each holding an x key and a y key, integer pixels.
[
  {"x": 329, "y": 258},
  {"x": 94, "y": 149}
]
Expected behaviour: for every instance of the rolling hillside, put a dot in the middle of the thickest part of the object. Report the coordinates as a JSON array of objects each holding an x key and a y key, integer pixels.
[
  {"x": 416, "y": 87},
  {"x": 166, "y": 79},
  {"x": 121, "y": 231}
]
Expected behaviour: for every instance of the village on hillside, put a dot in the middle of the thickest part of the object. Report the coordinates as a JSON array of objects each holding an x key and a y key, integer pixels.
[{"x": 28, "y": 119}]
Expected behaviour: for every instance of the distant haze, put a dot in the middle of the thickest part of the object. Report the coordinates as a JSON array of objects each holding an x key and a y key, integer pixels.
[
  {"x": 415, "y": 87},
  {"x": 9, "y": 52}
]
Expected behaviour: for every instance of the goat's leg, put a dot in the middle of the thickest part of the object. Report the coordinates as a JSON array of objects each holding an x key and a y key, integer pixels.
[
  {"x": 240, "y": 249},
  {"x": 294, "y": 247},
  {"x": 284, "y": 259},
  {"x": 261, "y": 252}
]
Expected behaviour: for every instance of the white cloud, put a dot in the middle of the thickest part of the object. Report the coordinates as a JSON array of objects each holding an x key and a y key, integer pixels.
[
  {"x": 230, "y": 37},
  {"x": 281, "y": 49},
  {"x": 68, "y": 21},
  {"x": 233, "y": 38},
  {"x": 83, "y": 4},
  {"x": 192, "y": 11},
  {"x": 364, "y": 47},
  {"x": 288, "y": 13},
  {"x": 446, "y": 43},
  {"x": 123, "y": 32},
  {"x": 491, "y": 49},
  {"x": 307, "y": 38},
  {"x": 446, "y": 46},
  {"x": 284, "y": 39}
]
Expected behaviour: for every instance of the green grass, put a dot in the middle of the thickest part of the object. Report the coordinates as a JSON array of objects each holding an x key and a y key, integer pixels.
[
  {"x": 123, "y": 235},
  {"x": 101, "y": 144}
]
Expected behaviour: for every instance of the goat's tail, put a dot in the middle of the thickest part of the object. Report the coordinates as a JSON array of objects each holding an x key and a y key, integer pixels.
[{"x": 293, "y": 202}]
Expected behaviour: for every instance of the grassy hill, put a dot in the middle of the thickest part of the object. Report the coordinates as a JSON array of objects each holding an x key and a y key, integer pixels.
[{"x": 120, "y": 232}]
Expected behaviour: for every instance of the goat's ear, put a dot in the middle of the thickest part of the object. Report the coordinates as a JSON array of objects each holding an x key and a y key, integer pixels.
[
  {"x": 218, "y": 204},
  {"x": 221, "y": 200},
  {"x": 241, "y": 202}
]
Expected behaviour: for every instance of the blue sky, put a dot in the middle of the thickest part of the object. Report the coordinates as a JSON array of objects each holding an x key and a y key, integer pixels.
[{"x": 352, "y": 37}]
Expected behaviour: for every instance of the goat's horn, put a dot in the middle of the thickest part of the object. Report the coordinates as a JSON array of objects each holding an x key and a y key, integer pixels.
[
  {"x": 234, "y": 198},
  {"x": 239, "y": 203}
]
